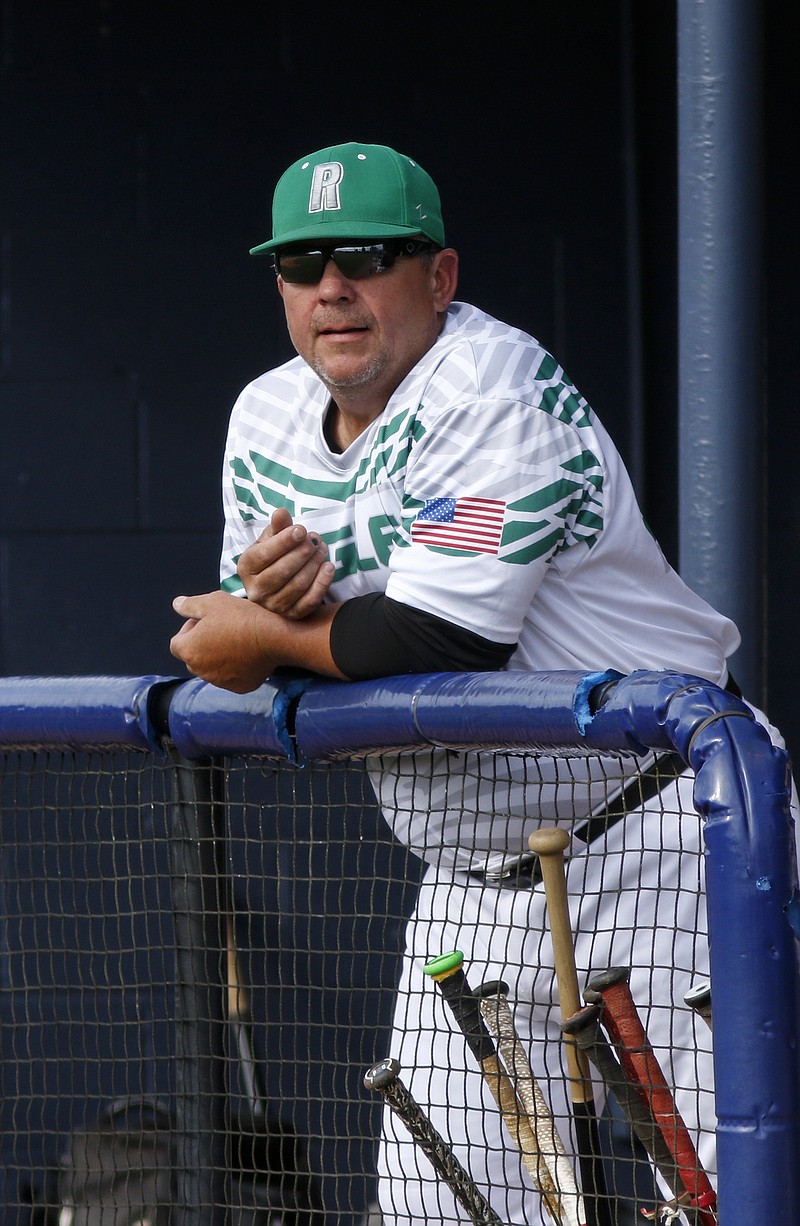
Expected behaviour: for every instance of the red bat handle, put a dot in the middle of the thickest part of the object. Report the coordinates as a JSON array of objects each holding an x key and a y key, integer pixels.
[{"x": 627, "y": 1034}]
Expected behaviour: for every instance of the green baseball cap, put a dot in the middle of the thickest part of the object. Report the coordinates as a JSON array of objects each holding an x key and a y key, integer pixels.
[{"x": 354, "y": 191}]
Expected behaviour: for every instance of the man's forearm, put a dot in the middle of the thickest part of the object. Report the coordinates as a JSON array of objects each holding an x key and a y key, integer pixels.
[
  {"x": 303, "y": 643},
  {"x": 236, "y": 644}
]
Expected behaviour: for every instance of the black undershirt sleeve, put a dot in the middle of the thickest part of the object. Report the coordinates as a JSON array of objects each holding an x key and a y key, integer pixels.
[{"x": 375, "y": 636}]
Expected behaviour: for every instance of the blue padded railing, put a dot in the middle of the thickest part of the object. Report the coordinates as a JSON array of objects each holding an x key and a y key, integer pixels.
[{"x": 742, "y": 792}]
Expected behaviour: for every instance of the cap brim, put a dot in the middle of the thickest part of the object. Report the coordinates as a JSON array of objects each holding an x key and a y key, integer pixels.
[{"x": 322, "y": 233}]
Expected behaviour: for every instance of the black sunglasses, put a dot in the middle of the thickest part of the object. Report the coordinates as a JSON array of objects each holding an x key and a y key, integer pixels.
[{"x": 303, "y": 267}]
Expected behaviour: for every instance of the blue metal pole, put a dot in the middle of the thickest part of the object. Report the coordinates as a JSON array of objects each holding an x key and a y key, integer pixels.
[{"x": 719, "y": 317}]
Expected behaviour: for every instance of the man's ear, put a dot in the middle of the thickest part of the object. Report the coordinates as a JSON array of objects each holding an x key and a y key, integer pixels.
[{"x": 444, "y": 274}]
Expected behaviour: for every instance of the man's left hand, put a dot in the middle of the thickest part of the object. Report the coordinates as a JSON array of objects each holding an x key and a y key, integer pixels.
[{"x": 223, "y": 641}]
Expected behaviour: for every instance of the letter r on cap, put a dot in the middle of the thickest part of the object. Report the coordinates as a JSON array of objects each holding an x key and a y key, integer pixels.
[{"x": 325, "y": 187}]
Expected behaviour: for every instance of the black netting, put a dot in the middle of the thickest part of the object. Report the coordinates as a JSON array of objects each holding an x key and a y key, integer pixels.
[{"x": 200, "y": 961}]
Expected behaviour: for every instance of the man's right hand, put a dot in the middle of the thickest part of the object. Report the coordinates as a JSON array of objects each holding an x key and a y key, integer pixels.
[{"x": 287, "y": 569}]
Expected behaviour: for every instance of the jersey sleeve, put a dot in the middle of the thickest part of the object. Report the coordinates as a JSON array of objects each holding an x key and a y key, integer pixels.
[
  {"x": 373, "y": 636},
  {"x": 495, "y": 489},
  {"x": 238, "y": 532}
]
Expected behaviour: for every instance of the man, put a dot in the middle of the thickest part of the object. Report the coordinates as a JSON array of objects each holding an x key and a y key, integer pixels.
[{"x": 422, "y": 489}]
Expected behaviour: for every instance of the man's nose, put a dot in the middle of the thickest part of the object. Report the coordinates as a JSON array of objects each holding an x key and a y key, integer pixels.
[{"x": 333, "y": 283}]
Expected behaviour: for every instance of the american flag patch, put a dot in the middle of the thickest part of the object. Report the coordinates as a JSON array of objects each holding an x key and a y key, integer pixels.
[{"x": 475, "y": 524}]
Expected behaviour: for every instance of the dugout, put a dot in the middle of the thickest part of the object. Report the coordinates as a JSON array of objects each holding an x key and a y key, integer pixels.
[{"x": 139, "y": 152}]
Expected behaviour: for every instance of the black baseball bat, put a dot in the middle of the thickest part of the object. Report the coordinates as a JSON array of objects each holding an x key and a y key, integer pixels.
[
  {"x": 384, "y": 1077},
  {"x": 584, "y": 1026},
  {"x": 628, "y": 1035},
  {"x": 447, "y": 971}
]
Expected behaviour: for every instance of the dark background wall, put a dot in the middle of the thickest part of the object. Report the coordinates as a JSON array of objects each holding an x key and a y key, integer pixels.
[{"x": 140, "y": 144}]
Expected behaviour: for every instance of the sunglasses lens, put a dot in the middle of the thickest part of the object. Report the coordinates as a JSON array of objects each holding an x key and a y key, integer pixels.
[
  {"x": 355, "y": 263},
  {"x": 301, "y": 267},
  {"x": 358, "y": 262}
]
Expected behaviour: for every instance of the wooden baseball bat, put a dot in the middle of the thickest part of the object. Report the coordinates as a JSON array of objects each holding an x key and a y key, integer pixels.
[
  {"x": 447, "y": 971},
  {"x": 549, "y": 844},
  {"x": 627, "y": 1034},
  {"x": 554, "y": 1167},
  {"x": 240, "y": 1023},
  {"x": 384, "y": 1078}
]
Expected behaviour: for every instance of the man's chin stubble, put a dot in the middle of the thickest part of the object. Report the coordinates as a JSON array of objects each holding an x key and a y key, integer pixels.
[{"x": 359, "y": 378}]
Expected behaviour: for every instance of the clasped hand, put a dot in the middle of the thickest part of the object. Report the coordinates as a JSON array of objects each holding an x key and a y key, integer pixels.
[{"x": 236, "y": 644}]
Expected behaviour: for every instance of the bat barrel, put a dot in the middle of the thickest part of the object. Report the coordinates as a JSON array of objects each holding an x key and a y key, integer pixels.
[
  {"x": 638, "y": 1058},
  {"x": 585, "y": 1027},
  {"x": 552, "y": 1171},
  {"x": 384, "y": 1077},
  {"x": 447, "y": 971},
  {"x": 550, "y": 843}
]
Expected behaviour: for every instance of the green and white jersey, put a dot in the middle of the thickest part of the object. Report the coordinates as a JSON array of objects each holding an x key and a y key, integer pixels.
[{"x": 486, "y": 493}]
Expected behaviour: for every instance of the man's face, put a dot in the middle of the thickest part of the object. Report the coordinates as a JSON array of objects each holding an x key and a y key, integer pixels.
[{"x": 363, "y": 336}]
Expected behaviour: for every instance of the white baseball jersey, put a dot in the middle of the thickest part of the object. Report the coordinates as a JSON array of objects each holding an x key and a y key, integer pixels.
[{"x": 486, "y": 493}]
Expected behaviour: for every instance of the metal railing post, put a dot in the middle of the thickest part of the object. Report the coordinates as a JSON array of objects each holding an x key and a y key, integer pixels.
[{"x": 200, "y": 907}]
